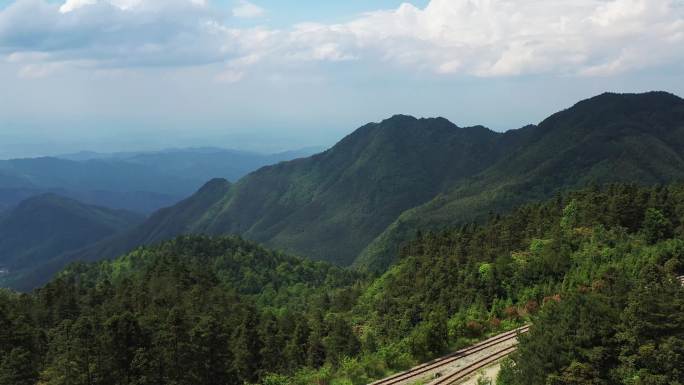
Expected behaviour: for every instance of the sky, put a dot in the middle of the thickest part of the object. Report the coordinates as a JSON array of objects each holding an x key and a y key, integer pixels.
[{"x": 270, "y": 75}]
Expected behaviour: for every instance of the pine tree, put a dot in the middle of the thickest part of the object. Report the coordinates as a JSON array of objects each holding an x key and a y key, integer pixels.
[
  {"x": 17, "y": 368},
  {"x": 272, "y": 350},
  {"x": 210, "y": 353},
  {"x": 296, "y": 348},
  {"x": 247, "y": 347}
]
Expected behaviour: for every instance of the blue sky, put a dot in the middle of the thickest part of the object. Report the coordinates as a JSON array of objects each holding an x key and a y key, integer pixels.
[
  {"x": 284, "y": 13},
  {"x": 269, "y": 75}
]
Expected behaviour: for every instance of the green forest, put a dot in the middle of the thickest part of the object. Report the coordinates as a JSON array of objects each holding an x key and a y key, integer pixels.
[{"x": 594, "y": 271}]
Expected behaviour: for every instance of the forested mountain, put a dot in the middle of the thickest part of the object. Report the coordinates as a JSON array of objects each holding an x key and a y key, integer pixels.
[
  {"x": 330, "y": 205},
  {"x": 594, "y": 270},
  {"x": 609, "y": 138},
  {"x": 47, "y": 225},
  {"x": 142, "y": 182},
  {"x": 360, "y": 200}
]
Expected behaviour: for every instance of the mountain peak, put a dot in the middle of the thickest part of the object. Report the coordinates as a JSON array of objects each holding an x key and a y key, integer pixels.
[
  {"x": 399, "y": 118},
  {"x": 409, "y": 119},
  {"x": 647, "y": 100},
  {"x": 611, "y": 110}
]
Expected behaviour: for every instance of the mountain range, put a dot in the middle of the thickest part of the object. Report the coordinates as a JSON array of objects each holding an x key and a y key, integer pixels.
[
  {"x": 358, "y": 202},
  {"x": 139, "y": 181}
]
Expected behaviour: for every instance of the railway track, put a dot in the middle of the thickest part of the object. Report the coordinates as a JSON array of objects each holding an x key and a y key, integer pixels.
[
  {"x": 424, "y": 370},
  {"x": 473, "y": 368}
]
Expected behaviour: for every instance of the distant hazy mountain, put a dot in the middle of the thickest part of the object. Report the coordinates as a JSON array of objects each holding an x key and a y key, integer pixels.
[
  {"x": 142, "y": 182},
  {"x": 136, "y": 201},
  {"x": 204, "y": 164},
  {"x": 47, "y": 225},
  {"x": 369, "y": 193}
]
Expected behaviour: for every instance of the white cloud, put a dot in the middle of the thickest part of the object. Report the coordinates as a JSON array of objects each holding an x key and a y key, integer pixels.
[
  {"x": 450, "y": 37},
  {"x": 247, "y": 10},
  {"x": 72, "y": 5},
  {"x": 512, "y": 37}
]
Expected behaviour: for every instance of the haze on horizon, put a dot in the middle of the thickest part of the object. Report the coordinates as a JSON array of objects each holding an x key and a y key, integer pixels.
[{"x": 270, "y": 75}]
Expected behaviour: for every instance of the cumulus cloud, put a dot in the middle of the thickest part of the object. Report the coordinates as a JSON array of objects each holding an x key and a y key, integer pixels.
[
  {"x": 116, "y": 33},
  {"x": 247, "y": 10},
  {"x": 512, "y": 37},
  {"x": 483, "y": 38}
]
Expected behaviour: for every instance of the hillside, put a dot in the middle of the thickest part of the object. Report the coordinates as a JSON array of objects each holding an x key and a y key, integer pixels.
[
  {"x": 330, "y": 205},
  {"x": 192, "y": 310},
  {"x": 47, "y": 225},
  {"x": 593, "y": 271}
]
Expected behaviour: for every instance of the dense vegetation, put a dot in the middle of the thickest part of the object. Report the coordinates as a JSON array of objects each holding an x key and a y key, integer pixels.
[
  {"x": 366, "y": 196},
  {"x": 190, "y": 311},
  {"x": 620, "y": 330},
  {"x": 594, "y": 270}
]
